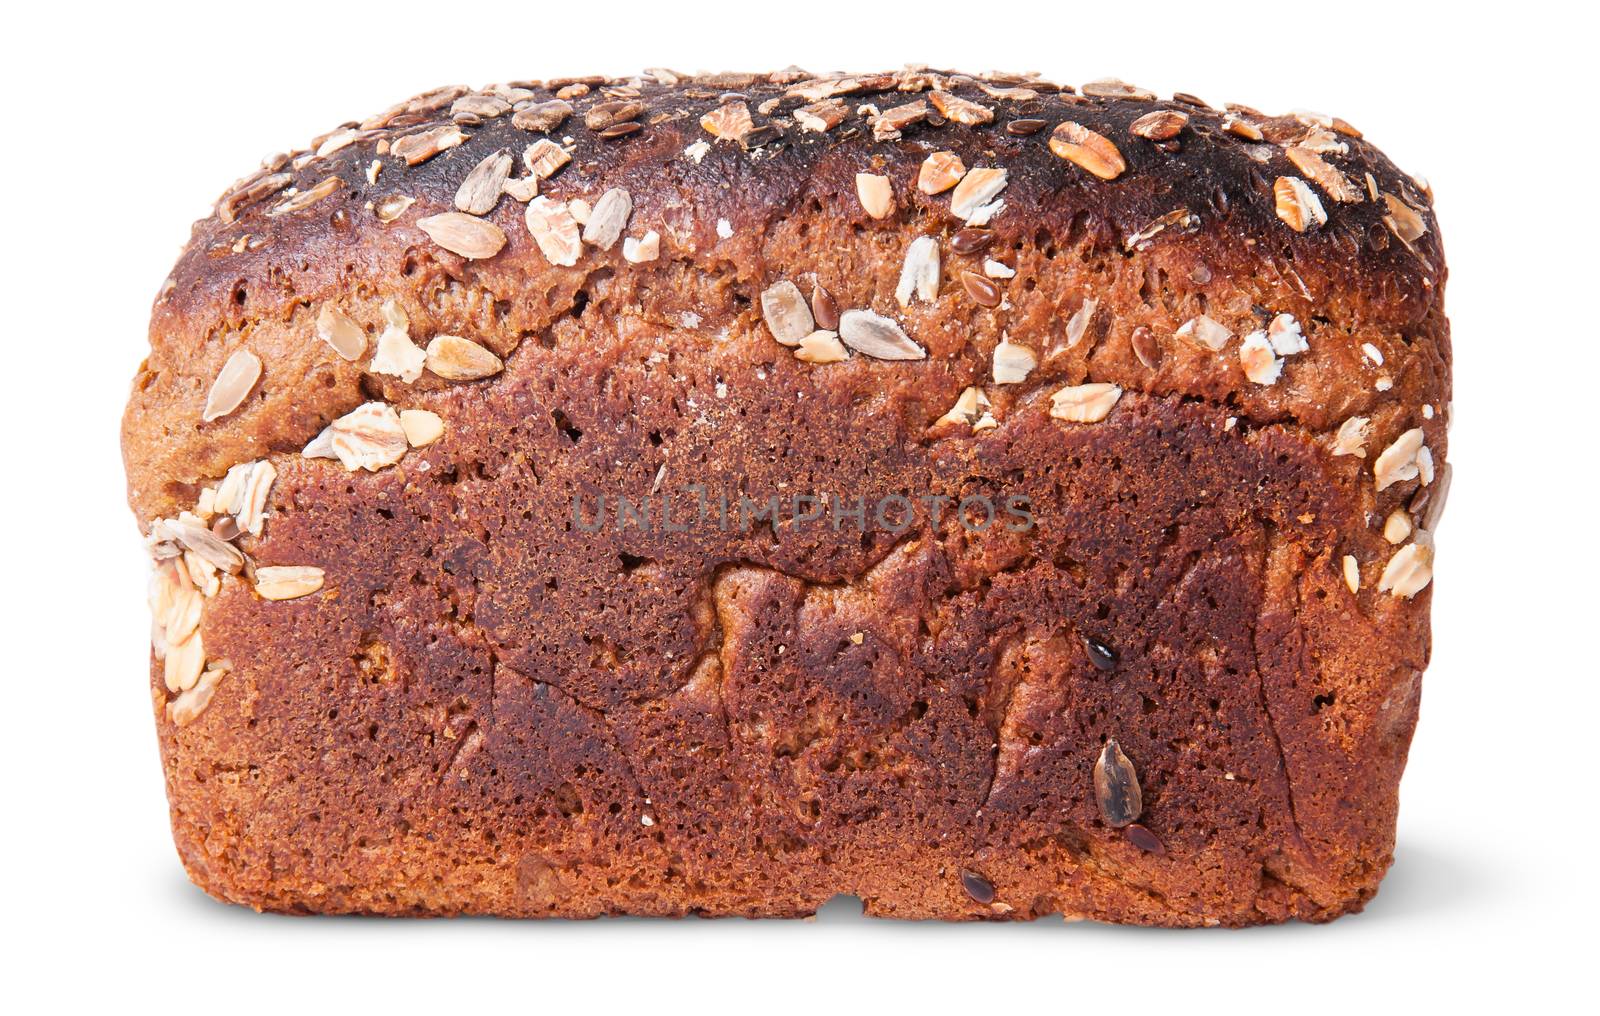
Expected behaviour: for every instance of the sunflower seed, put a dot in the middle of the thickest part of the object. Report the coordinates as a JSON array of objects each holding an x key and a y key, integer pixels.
[
  {"x": 287, "y": 582},
  {"x": 392, "y": 207},
  {"x": 785, "y": 312},
  {"x": 262, "y": 187},
  {"x": 234, "y": 381},
  {"x": 555, "y": 230},
  {"x": 998, "y": 270},
  {"x": 480, "y": 106},
  {"x": 200, "y": 540},
  {"x": 466, "y": 235},
  {"x": 1114, "y": 88},
  {"x": 609, "y": 114},
  {"x": 1408, "y": 572},
  {"x": 481, "y": 189},
  {"x": 1090, "y": 151},
  {"x": 608, "y": 219},
  {"x": 306, "y": 198},
  {"x": 421, "y": 426},
  {"x": 229, "y": 497},
  {"x": 876, "y": 194},
  {"x": 1116, "y": 786},
  {"x": 877, "y": 336},
  {"x": 920, "y": 273},
  {"x": 1433, "y": 499},
  {"x": 1352, "y": 573},
  {"x": 369, "y": 437},
  {"x": 340, "y": 331},
  {"x": 543, "y": 117},
  {"x": 456, "y": 359},
  {"x": 976, "y": 189},
  {"x": 1086, "y": 403}
]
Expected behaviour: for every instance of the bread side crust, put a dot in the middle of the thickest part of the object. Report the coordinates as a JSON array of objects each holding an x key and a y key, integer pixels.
[{"x": 486, "y": 711}]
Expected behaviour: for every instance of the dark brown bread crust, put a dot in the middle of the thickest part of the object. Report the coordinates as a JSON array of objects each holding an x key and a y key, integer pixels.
[{"x": 488, "y": 710}]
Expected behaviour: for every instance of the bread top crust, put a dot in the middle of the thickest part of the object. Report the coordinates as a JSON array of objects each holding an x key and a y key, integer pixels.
[{"x": 1202, "y": 196}]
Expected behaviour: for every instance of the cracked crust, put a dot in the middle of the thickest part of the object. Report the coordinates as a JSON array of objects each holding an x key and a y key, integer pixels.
[{"x": 488, "y": 710}]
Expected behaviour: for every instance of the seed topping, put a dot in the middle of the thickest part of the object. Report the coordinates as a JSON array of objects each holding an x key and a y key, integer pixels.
[
  {"x": 234, "y": 381},
  {"x": 554, "y": 229},
  {"x": 1086, "y": 403},
  {"x": 456, "y": 359},
  {"x": 467, "y": 235},
  {"x": 608, "y": 218},
  {"x": 1159, "y": 125},
  {"x": 940, "y": 172},
  {"x": 1297, "y": 205},
  {"x": 369, "y": 437},
  {"x": 784, "y": 310},
  {"x": 287, "y": 582},
  {"x": 875, "y": 193},
  {"x": 340, "y": 332},
  {"x": 1116, "y": 786},
  {"x": 920, "y": 273},
  {"x": 481, "y": 189},
  {"x": 1089, "y": 151},
  {"x": 877, "y": 336}
]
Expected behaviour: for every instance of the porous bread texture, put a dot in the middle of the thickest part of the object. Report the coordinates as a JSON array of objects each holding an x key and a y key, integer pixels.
[{"x": 485, "y": 708}]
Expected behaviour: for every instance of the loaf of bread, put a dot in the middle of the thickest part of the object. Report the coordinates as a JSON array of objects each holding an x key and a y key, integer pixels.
[{"x": 707, "y": 495}]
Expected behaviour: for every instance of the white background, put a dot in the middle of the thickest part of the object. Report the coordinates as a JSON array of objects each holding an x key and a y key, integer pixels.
[{"x": 126, "y": 123}]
